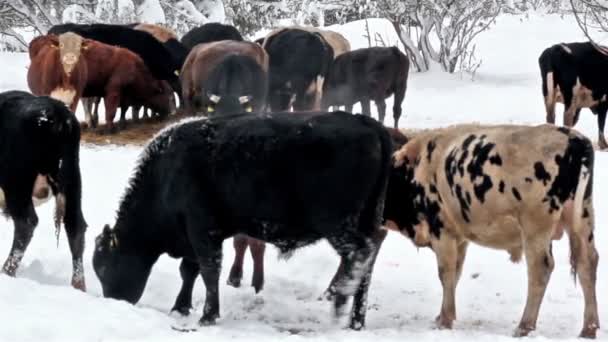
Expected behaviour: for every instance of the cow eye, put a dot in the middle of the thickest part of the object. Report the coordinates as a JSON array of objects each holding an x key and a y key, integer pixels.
[
  {"x": 61, "y": 45},
  {"x": 249, "y": 108},
  {"x": 210, "y": 108}
]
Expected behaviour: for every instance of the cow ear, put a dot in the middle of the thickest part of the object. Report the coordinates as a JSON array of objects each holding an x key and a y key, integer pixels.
[
  {"x": 106, "y": 230},
  {"x": 406, "y": 155}
]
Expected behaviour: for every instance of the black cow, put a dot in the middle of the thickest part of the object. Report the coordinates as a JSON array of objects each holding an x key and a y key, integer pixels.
[
  {"x": 287, "y": 179},
  {"x": 367, "y": 74},
  {"x": 299, "y": 62},
  {"x": 238, "y": 83},
  {"x": 210, "y": 32},
  {"x": 39, "y": 148},
  {"x": 156, "y": 57},
  {"x": 573, "y": 74}
]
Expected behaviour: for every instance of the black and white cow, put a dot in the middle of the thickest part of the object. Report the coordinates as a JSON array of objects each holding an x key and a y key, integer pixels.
[
  {"x": 574, "y": 74},
  {"x": 299, "y": 63},
  {"x": 39, "y": 148},
  {"x": 514, "y": 188},
  {"x": 287, "y": 179}
]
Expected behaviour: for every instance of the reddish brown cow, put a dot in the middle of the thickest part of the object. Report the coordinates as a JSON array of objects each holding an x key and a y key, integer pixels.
[
  {"x": 202, "y": 61},
  {"x": 68, "y": 66}
]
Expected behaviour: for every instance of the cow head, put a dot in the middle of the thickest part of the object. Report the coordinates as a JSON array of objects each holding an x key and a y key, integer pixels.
[
  {"x": 406, "y": 200},
  {"x": 122, "y": 273},
  {"x": 70, "y": 46},
  {"x": 227, "y": 104},
  {"x": 161, "y": 98}
]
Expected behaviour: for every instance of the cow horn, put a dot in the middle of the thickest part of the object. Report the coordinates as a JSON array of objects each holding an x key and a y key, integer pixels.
[{"x": 214, "y": 98}]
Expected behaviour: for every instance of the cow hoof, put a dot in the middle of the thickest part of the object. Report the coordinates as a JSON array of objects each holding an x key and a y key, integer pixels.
[
  {"x": 522, "y": 331},
  {"x": 182, "y": 311},
  {"x": 443, "y": 322},
  {"x": 328, "y": 295},
  {"x": 79, "y": 285},
  {"x": 234, "y": 281},
  {"x": 257, "y": 284},
  {"x": 9, "y": 271},
  {"x": 205, "y": 322},
  {"x": 589, "y": 331},
  {"x": 356, "y": 325}
]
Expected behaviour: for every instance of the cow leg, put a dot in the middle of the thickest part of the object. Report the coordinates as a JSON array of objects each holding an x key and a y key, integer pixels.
[
  {"x": 398, "y": 100},
  {"x": 539, "y": 259},
  {"x": 360, "y": 300},
  {"x": 257, "y": 249},
  {"x": 236, "y": 271},
  {"x": 569, "y": 107},
  {"x": 95, "y": 119},
  {"x": 75, "y": 234},
  {"x": 446, "y": 250},
  {"x": 188, "y": 270},
  {"x": 348, "y": 108},
  {"x": 357, "y": 255},
  {"x": 381, "y": 106},
  {"x": 365, "y": 107},
  {"x": 577, "y": 115},
  {"x": 208, "y": 250},
  {"x": 111, "y": 101},
  {"x": 584, "y": 259},
  {"x": 135, "y": 112},
  {"x": 24, "y": 224},
  {"x": 601, "y": 122},
  {"x": 122, "y": 123},
  {"x": 87, "y": 105}
]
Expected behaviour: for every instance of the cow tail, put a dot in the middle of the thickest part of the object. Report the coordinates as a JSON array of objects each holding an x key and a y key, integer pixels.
[
  {"x": 583, "y": 216},
  {"x": 69, "y": 179}
]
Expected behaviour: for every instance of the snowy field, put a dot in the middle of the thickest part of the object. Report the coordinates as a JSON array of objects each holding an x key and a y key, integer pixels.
[{"x": 405, "y": 296}]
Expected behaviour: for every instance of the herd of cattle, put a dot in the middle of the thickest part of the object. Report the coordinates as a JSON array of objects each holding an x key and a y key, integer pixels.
[
  {"x": 268, "y": 163},
  {"x": 212, "y": 69}
]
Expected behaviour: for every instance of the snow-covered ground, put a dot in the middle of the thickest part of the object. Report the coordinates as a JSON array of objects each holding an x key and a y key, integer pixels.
[{"x": 405, "y": 294}]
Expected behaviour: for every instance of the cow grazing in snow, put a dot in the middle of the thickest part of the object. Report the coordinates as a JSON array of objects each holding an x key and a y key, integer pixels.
[
  {"x": 178, "y": 53},
  {"x": 287, "y": 179},
  {"x": 573, "y": 74},
  {"x": 368, "y": 74},
  {"x": 68, "y": 67},
  {"x": 39, "y": 148},
  {"x": 299, "y": 63},
  {"x": 225, "y": 77},
  {"x": 514, "y": 188},
  {"x": 210, "y": 32},
  {"x": 152, "y": 52}
]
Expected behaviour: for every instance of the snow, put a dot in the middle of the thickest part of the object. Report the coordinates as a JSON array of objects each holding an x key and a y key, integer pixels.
[
  {"x": 150, "y": 12},
  {"x": 405, "y": 294}
]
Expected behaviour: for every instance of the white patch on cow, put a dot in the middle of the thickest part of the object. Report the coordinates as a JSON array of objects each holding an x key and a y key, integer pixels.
[
  {"x": 64, "y": 95},
  {"x": 2, "y": 200}
]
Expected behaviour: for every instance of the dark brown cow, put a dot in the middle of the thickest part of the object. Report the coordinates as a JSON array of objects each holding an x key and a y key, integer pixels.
[
  {"x": 202, "y": 61},
  {"x": 368, "y": 74},
  {"x": 68, "y": 66}
]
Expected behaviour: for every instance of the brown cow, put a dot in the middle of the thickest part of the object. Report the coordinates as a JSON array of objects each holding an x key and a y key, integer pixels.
[
  {"x": 161, "y": 33},
  {"x": 68, "y": 66},
  {"x": 203, "y": 60}
]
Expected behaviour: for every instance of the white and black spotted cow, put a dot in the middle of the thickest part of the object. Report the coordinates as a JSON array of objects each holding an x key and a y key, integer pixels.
[
  {"x": 574, "y": 74},
  {"x": 39, "y": 147},
  {"x": 514, "y": 188}
]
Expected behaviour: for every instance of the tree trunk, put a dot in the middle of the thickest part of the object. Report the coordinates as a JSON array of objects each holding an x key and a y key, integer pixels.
[{"x": 418, "y": 60}]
